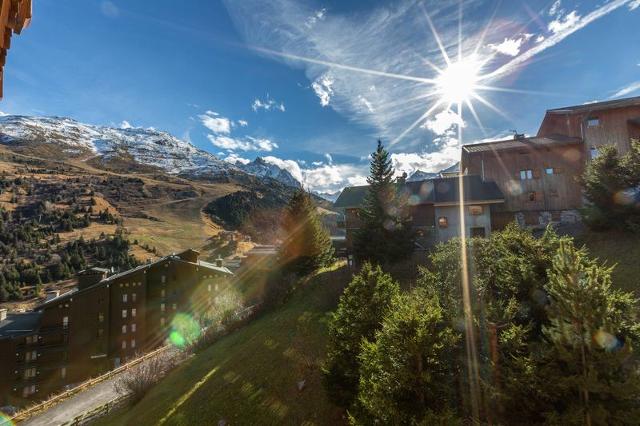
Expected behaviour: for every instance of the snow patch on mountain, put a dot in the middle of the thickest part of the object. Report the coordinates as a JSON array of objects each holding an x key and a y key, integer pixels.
[{"x": 262, "y": 168}]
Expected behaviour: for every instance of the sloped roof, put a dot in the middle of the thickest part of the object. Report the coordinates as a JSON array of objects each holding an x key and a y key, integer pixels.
[
  {"x": 172, "y": 257},
  {"x": 19, "y": 324},
  {"x": 526, "y": 143},
  {"x": 431, "y": 191},
  {"x": 597, "y": 106},
  {"x": 14, "y": 16}
]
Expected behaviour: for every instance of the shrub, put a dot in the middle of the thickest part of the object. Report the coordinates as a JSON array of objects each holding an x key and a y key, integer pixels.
[{"x": 139, "y": 379}]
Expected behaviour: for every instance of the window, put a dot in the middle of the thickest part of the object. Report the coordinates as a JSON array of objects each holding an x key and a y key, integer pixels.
[
  {"x": 593, "y": 152},
  {"x": 133, "y": 312},
  {"x": 63, "y": 372},
  {"x": 174, "y": 306},
  {"x": 133, "y": 328},
  {"x": 124, "y": 298},
  {"x": 443, "y": 222},
  {"x": 100, "y": 317},
  {"x": 549, "y": 171},
  {"x": 124, "y": 329},
  {"x": 133, "y": 343},
  {"x": 475, "y": 210},
  {"x": 29, "y": 373},
  {"x": 65, "y": 322},
  {"x": 532, "y": 196},
  {"x": 100, "y": 332},
  {"x": 162, "y": 320},
  {"x": 31, "y": 339},
  {"x": 162, "y": 307},
  {"x": 124, "y": 344},
  {"x": 209, "y": 287},
  {"x": 124, "y": 313},
  {"x": 593, "y": 122},
  {"x": 28, "y": 390},
  {"x": 526, "y": 174},
  {"x": 133, "y": 297},
  {"x": 162, "y": 293},
  {"x": 163, "y": 279},
  {"x": 30, "y": 356}
]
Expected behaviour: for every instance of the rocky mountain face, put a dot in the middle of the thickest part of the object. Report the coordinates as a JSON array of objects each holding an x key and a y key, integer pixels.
[
  {"x": 419, "y": 175},
  {"x": 261, "y": 168}
]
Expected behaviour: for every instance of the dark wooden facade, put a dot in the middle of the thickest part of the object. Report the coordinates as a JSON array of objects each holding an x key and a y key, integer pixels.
[
  {"x": 89, "y": 331},
  {"x": 14, "y": 16}
]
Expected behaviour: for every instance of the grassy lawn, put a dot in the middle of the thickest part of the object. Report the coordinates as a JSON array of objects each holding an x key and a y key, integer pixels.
[
  {"x": 622, "y": 249},
  {"x": 251, "y": 377}
]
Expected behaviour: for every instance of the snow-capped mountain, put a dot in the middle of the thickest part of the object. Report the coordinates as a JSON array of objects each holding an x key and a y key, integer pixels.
[
  {"x": 419, "y": 175},
  {"x": 262, "y": 168},
  {"x": 147, "y": 147},
  {"x": 329, "y": 196}
]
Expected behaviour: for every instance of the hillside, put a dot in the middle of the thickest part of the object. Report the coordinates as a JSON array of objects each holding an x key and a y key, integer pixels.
[{"x": 252, "y": 375}]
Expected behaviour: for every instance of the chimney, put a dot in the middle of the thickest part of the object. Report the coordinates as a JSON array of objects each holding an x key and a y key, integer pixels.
[
  {"x": 91, "y": 276},
  {"x": 3, "y": 314},
  {"x": 219, "y": 261}
]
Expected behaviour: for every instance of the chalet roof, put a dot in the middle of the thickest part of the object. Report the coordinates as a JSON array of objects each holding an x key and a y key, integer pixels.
[
  {"x": 597, "y": 106},
  {"x": 19, "y": 324},
  {"x": 172, "y": 257},
  {"x": 526, "y": 143},
  {"x": 14, "y": 16},
  {"x": 442, "y": 190}
]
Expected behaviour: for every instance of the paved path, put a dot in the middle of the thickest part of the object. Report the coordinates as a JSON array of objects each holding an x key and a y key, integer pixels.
[{"x": 76, "y": 405}]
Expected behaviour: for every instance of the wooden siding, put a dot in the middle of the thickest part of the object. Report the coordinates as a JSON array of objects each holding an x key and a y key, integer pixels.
[
  {"x": 14, "y": 16},
  {"x": 560, "y": 191},
  {"x": 613, "y": 128}
]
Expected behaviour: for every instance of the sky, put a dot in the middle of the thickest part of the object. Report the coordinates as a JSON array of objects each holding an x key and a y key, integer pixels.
[{"x": 312, "y": 85}]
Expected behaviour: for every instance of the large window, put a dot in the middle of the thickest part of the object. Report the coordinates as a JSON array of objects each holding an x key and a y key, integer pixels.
[
  {"x": 124, "y": 313},
  {"x": 65, "y": 322},
  {"x": 124, "y": 298},
  {"x": 475, "y": 210},
  {"x": 593, "y": 122}
]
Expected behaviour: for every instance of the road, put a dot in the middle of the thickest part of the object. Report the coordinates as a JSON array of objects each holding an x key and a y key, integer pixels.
[{"x": 76, "y": 405}]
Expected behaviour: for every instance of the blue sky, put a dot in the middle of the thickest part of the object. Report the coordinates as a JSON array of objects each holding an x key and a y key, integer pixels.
[{"x": 311, "y": 85}]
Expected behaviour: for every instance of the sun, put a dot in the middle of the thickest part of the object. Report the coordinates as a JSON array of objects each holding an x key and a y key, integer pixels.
[{"x": 458, "y": 82}]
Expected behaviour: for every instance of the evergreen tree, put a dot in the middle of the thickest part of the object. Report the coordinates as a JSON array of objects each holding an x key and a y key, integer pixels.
[
  {"x": 359, "y": 315},
  {"x": 593, "y": 375},
  {"x": 406, "y": 374},
  {"x": 307, "y": 245},
  {"x": 385, "y": 234}
]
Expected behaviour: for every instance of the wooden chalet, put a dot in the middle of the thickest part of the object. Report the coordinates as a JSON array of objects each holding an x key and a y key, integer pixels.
[
  {"x": 15, "y": 15},
  {"x": 539, "y": 175},
  {"x": 433, "y": 206}
]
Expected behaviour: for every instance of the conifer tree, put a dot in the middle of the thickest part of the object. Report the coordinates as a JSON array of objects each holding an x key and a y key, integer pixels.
[
  {"x": 385, "y": 234},
  {"x": 307, "y": 245},
  {"x": 591, "y": 369},
  {"x": 359, "y": 315}
]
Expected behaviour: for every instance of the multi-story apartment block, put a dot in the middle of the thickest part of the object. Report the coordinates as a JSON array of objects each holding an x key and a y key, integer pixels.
[{"x": 102, "y": 324}]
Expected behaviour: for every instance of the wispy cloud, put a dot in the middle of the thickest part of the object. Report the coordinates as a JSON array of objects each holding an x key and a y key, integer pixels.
[
  {"x": 267, "y": 104},
  {"x": 626, "y": 90},
  {"x": 562, "y": 33},
  {"x": 323, "y": 88}
]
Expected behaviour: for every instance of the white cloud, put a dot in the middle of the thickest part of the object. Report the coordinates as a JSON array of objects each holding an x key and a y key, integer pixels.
[
  {"x": 214, "y": 122},
  {"x": 540, "y": 38},
  {"x": 564, "y": 23},
  {"x": 366, "y": 103},
  {"x": 125, "y": 125},
  {"x": 628, "y": 89},
  {"x": 557, "y": 37},
  {"x": 510, "y": 46},
  {"x": 243, "y": 123},
  {"x": 317, "y": 16},
  {"x": 267, "y": 104},
  {"x": 426, "y": 162},
  {"x": 247, "y": 143},
  {"x": 634, "y": 5},
  {"x": 2, "y": 113},
  {"x": 332, "y": 177},
  {"x": 442, "y": 122},
  {"x": 109, "y": 9},
  {"x": 234, "y": 158},
  {"x": 323, "y": 86},
  {"x": 329, "y": 158},
  {"x": 556, "y": 8}
]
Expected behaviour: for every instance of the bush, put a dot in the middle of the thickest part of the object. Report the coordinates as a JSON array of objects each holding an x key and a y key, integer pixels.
[{"x": 139, "y": 379}]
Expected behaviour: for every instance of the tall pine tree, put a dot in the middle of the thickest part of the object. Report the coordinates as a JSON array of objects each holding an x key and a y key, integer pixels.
[
  {"x": 593, "y": 375},
  {"x": 307, "y": 244},
  {"x": 385, "y": 235}
]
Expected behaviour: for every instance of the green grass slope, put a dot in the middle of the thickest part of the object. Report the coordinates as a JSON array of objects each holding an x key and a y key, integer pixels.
[
  {"x": 251, "y": 376},
  {"x": 617, "y": 248}
]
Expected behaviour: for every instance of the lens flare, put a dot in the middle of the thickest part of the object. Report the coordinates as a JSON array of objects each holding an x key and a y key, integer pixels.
[
  {"x": 607, "y": 341},
  {"x": 458, "y": 82},
  {"x": 5, "y": 420},
  {"x": 185, "y": 330}
]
